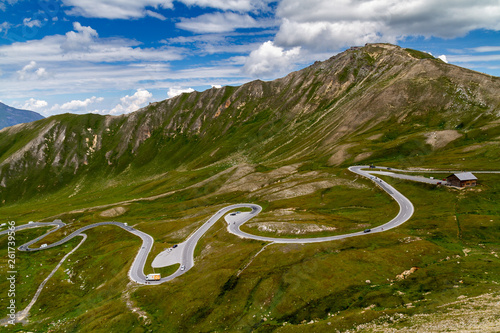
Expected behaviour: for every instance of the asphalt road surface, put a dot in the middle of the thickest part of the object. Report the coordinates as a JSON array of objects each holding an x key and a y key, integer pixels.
[
  {"x": 136, "y": 272},
  {"x": 188, "y": 246},
  {"x": 405, "y": 212}
]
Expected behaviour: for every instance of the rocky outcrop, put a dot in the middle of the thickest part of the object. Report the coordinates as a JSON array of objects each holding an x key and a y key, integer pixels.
[{"x": 406, "y": 273}]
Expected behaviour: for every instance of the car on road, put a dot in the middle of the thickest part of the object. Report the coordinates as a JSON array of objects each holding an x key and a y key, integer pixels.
[
  {"x": 232, "y": 214},
  {"x": 183, "y": 267},
  {"x": 175, "y": 246},
  {"x": 367, "y": 230}
]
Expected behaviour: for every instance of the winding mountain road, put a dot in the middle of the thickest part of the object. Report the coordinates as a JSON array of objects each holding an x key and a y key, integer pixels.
[
  {"x": 406, "y": 210},
  {"x": 184, "y": 252}
]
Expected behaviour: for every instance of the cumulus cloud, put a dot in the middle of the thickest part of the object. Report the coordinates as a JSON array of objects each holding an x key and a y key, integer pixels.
[
  {"x": 175, "y": 91},
  {"x": 322, "y": 36},
  {"x": 79, "y": 105},
  {"x": 34, "y": 105},
  {"x": 221, "y": 22},
  {"x": 270, "y": 60},
  {"x": 31, "y": 72},
  {"x": 443, "y": 58},
  {"x": 79, "y": 40},
  {"x": 331, "y": 25},
  {"x": 29, "y": 23},
  {"x": 132, "y": 103}
]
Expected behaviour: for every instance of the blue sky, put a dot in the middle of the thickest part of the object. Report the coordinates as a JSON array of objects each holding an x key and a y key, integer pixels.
[{"x": 115, "y": 56}]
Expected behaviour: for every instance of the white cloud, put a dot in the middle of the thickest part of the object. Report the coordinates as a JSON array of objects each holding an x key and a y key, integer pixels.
[
  {"x": 485, "y": 49},
  {"x": 34, "y": 105},
  {"x": 5, "y": 26},
  {"x": 29, "y": 23},
  {"x": 467, "y": 58},
  {"x": 31, "y": 72},
  {"x": 175, "y": 91},
  {"x": 234, "y": 5},
  {"x": 41, "y": 72},
  {"x": 155, "y": 15},
  {"x": 3, "y": 3},
  {"x": 443, "y": 57},
  {"x": 221, "y": 22},
  {"x": 81, "y": 40},
  {"x": 114, "y": 9},
  {"x": 83, "y": 45},
  {"x": 216, "y": 86},
  {"x": 214, "y": 43},
  {"x": 320, "y": 36},
  {"x": 330, "y": 25},
  {"x": 79, "y": 104},
  {"x": 270, "y": 60},
  {"x": 132, "y": 103},
  {"x": 134, "y": 9}
]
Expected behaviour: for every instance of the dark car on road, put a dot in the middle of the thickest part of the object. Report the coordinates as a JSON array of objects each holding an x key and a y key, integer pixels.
[
  {"x": 175, "y": 246},
  {"x": 367, "y": 230}
]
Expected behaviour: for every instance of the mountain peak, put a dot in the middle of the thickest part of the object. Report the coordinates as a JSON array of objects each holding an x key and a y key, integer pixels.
[{"x": 320, "y": 113}]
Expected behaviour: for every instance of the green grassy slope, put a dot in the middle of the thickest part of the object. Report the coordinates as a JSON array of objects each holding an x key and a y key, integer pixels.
[{"x": 286, "y": 286}]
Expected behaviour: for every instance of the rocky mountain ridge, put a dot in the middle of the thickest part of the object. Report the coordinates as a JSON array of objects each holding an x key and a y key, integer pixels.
[{"x": 313, "y": 114}]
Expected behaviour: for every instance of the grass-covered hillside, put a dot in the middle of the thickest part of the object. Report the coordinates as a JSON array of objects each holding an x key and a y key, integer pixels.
[{"x": 285, "y": 145}]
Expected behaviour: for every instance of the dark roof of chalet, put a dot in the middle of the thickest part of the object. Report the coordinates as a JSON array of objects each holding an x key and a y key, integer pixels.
[{"x": 464, "y": 176}]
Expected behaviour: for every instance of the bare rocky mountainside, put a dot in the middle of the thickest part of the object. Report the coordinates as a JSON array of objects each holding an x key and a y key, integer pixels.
[{"x": 398, "y": 101}]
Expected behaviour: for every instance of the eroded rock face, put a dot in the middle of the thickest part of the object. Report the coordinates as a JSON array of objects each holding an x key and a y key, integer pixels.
[
  {"x": 439, "y": 139},
  {"x": 114, "y": 212}
]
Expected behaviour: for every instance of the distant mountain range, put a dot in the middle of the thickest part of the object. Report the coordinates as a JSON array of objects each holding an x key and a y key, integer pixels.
[{"x": 10, "y": 116}]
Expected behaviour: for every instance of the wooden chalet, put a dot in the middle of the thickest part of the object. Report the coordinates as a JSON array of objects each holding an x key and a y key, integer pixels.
[{"x": 464, "y": 179}]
